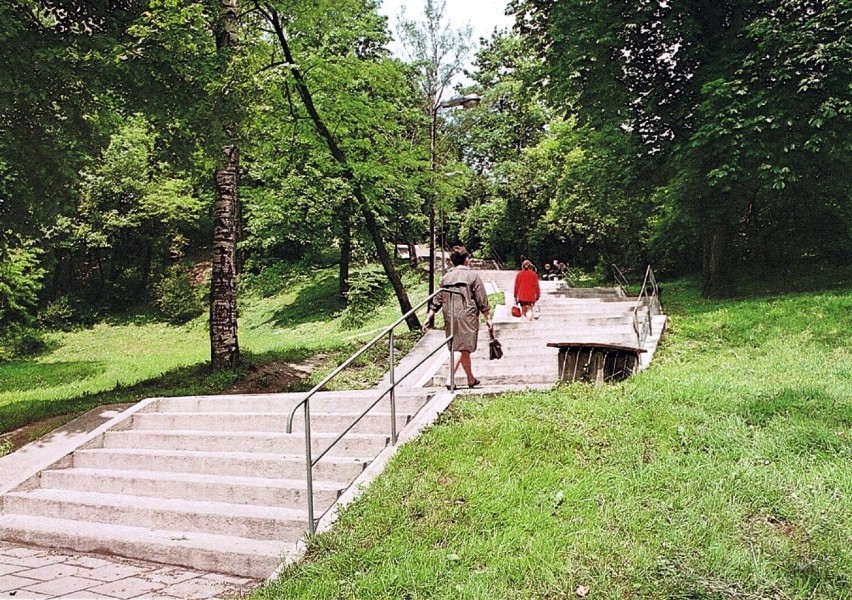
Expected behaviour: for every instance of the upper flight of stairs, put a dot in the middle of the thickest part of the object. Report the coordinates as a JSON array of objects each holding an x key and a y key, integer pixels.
[{"x": 567, "y": 314}]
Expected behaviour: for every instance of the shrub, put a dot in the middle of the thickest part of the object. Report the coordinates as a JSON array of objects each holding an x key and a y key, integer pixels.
[
  {"x": 58, "y": 314},
  {"x": 20, "y": 341},
  {"x": 368, "y": 289},
  {"x": 175, "y": 298},
  {"x": 20, "y": 283}
]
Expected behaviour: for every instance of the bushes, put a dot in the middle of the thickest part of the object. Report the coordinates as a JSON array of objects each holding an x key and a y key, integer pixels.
[
  {"x": 20, "y": 283},
  {"x": 175, "y": 298},
  {"x": 367, "y": 290}
]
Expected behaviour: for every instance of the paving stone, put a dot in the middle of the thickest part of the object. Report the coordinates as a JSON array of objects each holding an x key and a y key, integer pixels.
[
  {"x": 6, "y": 569},
  {"x": 13, "y": 582},
  {"x": 54, "y": 571},
  {"x": 116, "y": 571},
  {"x": 231, "y": 580},
  {"x": 19, "y": 551},
  {"x": 132, "y": 587},
  {"x": 62, "y": 587},
  {"x": 196, "y": 589},
  {"x": 89, "y": 562},
  {"x": 87, "y": 595},
  {"x": 28, "y": 595},
  {"x": 32, "y": 562},
  {"x": 169, "y": 575}
]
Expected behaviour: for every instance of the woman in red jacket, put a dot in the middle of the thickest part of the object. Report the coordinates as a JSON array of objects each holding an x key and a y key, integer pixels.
[{"x": 527, "y": 291}]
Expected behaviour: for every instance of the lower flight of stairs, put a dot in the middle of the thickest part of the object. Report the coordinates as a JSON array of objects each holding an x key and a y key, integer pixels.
[{"x": 210, "y": 483}]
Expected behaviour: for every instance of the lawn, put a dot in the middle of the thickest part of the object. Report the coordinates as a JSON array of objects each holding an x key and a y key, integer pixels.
[{"x": 722, "y": 472}]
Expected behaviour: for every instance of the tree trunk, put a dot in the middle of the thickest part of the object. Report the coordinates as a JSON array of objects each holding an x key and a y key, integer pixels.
[
  {"x": 716, "y": 265},
  {"x": 345, "y": 247},
  {"x": 412, "y": 255},
  {"x": 339, "y": 156},
  {"x": 224, "y": 344}
]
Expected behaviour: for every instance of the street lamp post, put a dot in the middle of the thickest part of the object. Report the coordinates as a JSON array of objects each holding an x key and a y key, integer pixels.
[{"x": 466, "y": 101}]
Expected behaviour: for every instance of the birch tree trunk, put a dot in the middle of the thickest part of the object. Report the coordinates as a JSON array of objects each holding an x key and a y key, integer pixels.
[{"x": 224, "y": 344}]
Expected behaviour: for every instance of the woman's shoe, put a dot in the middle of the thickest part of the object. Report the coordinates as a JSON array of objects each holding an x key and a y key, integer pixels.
[{"x": 475, "y": 383}]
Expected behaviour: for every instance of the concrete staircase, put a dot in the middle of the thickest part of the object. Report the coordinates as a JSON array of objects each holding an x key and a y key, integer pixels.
[
  {"x": 214, "y": 483},
  {"x": 210, "y": 483},
  {"x": 567, "y": 314}
]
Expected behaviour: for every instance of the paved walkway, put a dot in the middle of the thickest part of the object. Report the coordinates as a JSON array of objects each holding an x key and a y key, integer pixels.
[{"x": 37, "y": 573}]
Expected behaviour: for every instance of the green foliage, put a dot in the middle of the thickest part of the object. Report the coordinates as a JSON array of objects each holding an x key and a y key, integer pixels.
[
  {"x": 738, "y": 113},
  {"x": 5, "y": 447},
  {"x": 20, "y": 282},
  {"x": 132, "y": 216},
  {"x": 58, "y": 314},
  {"x": 176, "y": 298},
  {"x": 368, "y": 289}
]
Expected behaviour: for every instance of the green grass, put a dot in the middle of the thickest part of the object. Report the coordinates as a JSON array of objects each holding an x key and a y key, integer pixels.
[
  {"x": 722, "y": 472},
  {"x": 290, "y": 316}
]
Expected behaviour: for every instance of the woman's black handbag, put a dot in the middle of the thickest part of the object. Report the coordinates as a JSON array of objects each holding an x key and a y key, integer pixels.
[{"x": 495, "y": 349}]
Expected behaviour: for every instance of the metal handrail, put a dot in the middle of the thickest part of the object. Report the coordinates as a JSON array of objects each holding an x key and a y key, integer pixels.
[
  {"x": 498, "y": 260},
  {"x": 620, "y": 279},
  {"x": 649, "y": 299},
  {"x": 310, "y": 460}
]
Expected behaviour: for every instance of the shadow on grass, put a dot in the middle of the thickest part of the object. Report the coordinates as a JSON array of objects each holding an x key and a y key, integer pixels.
[
  {"x": 20, "y": 376},
  {"x": 197, "y": 379},
  {"x": 806, "y": 404},
  {"x": 194, "y": 380},
  {"x": 315, "y": 302}
]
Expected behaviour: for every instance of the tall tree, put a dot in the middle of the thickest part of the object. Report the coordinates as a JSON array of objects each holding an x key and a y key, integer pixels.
[
  {"x": 358, "y": 182},
  {"x": 438, "y": 52},
  {"x": 224, "y": 343},
  {"x": 740, "y": 107}
]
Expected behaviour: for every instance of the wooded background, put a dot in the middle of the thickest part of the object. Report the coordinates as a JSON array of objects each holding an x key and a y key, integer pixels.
[{"x": 699, "y": 137}]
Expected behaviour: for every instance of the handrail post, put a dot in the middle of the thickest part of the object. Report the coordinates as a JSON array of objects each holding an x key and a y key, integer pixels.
[
  {"x": 309, "y": 463},
  {"x": 391, "y": 360},
  {"x": 305, "y": 402}
]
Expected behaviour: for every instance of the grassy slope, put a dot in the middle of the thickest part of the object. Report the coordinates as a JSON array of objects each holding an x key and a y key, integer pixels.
[
  {"x": 722, "y": 472},
  {"x": 139, "y": 357}
]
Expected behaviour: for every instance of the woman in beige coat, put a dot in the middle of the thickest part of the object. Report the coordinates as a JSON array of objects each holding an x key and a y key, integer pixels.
[{"x": 465, "y": 307}]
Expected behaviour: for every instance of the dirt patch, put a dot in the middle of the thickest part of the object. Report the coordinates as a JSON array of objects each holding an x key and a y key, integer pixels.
[
  {"x": 275, "y": 377},
  {"x": 199, "y": 273},
  {"x": 270, "y": 378}
]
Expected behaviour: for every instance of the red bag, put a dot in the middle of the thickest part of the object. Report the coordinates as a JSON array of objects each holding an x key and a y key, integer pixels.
[{"x": 516, "y": 311}]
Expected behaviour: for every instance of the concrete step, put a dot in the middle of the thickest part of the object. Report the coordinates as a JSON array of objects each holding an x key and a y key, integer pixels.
[
  {"x": 217, "y": 518},
  {"x": 265, "y": 422},
  {"x": 200, "y": 551},
  {"x": 498, "y": 379},
  {"x": 323, "y": 402},
  {"x": 355, "y": 444},
  {"x": 569, "y": 320},
  {"x": 286, "y": 493},
  {"x": 251, "y": 464},
  {"x": 544, "y": 330}
]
